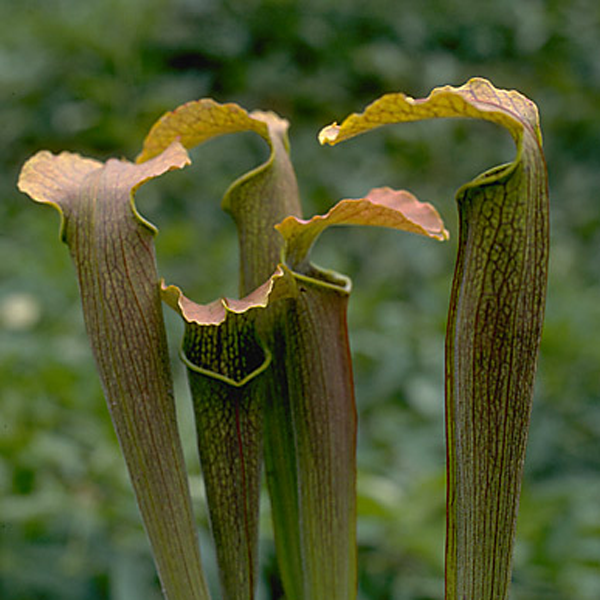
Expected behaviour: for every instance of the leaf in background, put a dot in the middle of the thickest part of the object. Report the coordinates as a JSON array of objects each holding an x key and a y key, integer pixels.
[
  {"x": 494, "y": 327},
  {"x": 113, "y": 251}
]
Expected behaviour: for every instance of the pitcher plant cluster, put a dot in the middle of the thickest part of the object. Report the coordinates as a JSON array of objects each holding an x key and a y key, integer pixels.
[{"x": 270, "y": 373}]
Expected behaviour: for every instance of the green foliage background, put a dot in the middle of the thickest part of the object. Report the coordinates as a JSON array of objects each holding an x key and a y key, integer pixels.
[{"x": 93, "y": 76}]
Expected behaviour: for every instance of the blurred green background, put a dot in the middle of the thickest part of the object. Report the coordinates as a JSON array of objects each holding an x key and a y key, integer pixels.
[{"x": 93, "y": 76}]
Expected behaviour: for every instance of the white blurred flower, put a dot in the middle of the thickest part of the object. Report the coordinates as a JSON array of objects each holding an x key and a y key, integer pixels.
[{"x": 19, "y": 311}]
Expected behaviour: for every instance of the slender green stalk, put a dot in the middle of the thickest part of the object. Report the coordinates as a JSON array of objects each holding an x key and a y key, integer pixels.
[
  {"x": 316, "y": 358},
  {"x": 113, "y": 252},
  {"x": 225, "y": 363},
  {"x": 494, "y": 328}
]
